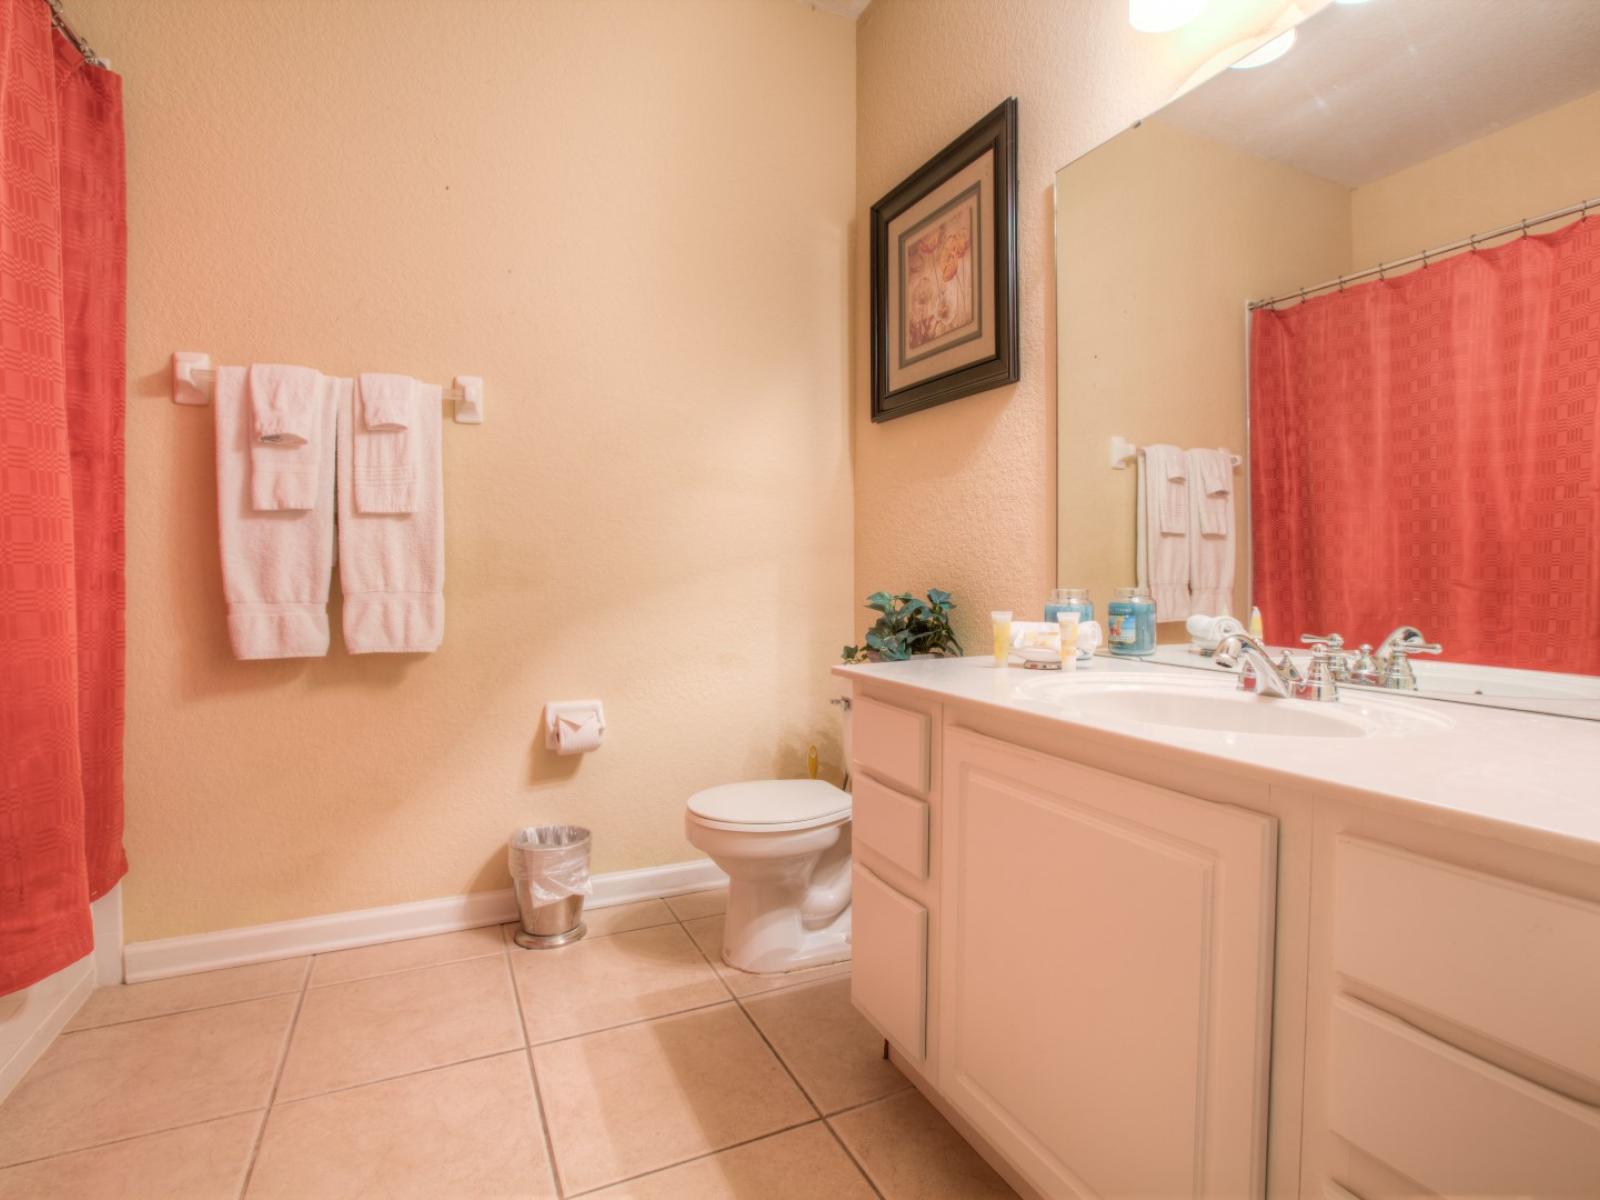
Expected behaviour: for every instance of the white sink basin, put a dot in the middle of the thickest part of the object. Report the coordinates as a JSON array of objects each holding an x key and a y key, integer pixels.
[{"x": 1213, "y": 704}]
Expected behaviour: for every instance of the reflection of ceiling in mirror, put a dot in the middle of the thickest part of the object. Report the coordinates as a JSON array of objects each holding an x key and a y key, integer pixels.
[{"x": 1370, "y": 89}]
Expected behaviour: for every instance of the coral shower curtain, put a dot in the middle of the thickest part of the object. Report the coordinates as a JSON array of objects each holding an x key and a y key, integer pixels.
[
  {"x": 1426, "y": 450},
  {"x": 62, "y": 265}
]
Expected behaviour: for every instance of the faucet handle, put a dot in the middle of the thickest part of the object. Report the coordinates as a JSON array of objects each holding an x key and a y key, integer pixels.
[
  {"x": 1417, "y": 648},
  {"x": 1332, "y": 640}
]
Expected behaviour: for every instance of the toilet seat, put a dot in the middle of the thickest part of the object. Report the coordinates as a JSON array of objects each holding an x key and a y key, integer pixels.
[{"x": 770, "y": 805}]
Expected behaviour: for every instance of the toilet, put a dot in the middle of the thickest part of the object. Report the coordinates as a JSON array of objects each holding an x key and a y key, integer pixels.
[{"x": 785, "y": 846}]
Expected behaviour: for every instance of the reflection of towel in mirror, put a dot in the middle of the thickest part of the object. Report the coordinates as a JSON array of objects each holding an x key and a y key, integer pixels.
[
  {"x": 1168, "y": 486},
  {"x": 1162, "y": 557},
  {"x": 1214, "y": 471},
  {"x": 1211, "y": 536}
]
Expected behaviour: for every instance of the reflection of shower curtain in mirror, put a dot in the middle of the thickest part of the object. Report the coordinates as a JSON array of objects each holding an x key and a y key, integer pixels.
[
  {"x": 61, "y": 490},
  {"x": 1426, "y": 450}
]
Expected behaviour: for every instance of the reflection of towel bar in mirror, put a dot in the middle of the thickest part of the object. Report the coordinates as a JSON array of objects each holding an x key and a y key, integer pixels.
[
  {"x": 194, "y": 380},
  {"x": 1124, "y": 452}
]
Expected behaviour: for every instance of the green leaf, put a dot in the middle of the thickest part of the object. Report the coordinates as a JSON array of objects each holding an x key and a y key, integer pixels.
[{"x": 881, "y": 601}]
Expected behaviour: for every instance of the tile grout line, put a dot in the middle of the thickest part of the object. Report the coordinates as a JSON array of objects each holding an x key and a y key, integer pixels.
[
  {"x": 824, "y": 1118},
  {"x": 277, "y": 1080},
  {"x": 761, "y": 1033},
  {"x": 129, "y": 1137},
  {"x": 178, "y": 1012},
  {"x": 860, "y": 1166},
  {"x": 750, "y": 1141},
  {"x": 506, "y": 943}
]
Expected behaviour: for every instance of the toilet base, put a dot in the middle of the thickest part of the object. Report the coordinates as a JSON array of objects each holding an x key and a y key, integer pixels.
[{"x": 814, "y": 948}]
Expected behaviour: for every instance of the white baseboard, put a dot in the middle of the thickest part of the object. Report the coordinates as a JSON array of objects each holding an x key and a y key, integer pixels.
[
  {"x": 31, "y": 1019},
  {"x": 368, "y": 926}
]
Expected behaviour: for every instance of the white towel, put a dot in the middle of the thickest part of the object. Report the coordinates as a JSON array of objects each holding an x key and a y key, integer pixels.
[
  {"x": 1214, "y": 469},
  {"x": 275, "y": 564},
  {"x": 391, "y": 565},
  {"x": 1162, "y": 557},
  {"x": 384, "y": 462},
  {"x": 1169, "y": 486},
  {"x": 1211, "y": 554},
  {"x": 287, "y": 448}
]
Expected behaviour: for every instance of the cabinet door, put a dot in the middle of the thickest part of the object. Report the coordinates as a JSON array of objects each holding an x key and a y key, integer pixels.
[
  {"x": 1106, "y": 968},
  {"x": 889, "y": 977}
]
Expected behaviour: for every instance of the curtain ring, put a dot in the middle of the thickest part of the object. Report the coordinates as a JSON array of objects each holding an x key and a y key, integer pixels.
[
  {"x": 1382, "y": 278},
  {"x": 1473, "y": 239},
  {"x": 1524, "y": 226},
  {"x": 1341, "y": 283},
  {"x": 1425, "y": 263}
]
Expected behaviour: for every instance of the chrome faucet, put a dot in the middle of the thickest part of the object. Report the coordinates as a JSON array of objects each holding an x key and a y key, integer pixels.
[
  {"x": 1393, "y": 658},
  {"x": 1257, "y": 671}
]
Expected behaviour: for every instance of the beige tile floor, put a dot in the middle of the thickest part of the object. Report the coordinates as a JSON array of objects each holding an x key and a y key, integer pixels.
[{"x": 633, "y": 1064}]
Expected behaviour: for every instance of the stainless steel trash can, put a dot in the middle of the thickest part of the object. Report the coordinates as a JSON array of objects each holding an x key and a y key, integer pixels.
[{"x": 550, "y": 875}]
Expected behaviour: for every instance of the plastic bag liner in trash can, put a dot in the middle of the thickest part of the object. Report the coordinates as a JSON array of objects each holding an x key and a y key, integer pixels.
[{"x": 550, "y": 875}]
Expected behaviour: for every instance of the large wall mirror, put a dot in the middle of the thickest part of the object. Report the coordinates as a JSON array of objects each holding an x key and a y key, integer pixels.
[{"x": 1329, "y": 345}]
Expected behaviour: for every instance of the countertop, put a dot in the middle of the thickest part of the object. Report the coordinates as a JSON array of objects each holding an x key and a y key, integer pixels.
[{"x": 1534, "y": 777}]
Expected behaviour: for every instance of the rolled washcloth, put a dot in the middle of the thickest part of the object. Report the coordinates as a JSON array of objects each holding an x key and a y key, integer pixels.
[{"x": 288, "y": 448}]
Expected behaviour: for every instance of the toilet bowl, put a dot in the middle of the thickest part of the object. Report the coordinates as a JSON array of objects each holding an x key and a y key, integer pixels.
[{"x": 785, "y": 846}]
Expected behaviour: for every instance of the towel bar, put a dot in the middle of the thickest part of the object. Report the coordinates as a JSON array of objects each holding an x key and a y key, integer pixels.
[
  {"x": 1123, "y": 452},
  {"x": 194, "y": 381}
]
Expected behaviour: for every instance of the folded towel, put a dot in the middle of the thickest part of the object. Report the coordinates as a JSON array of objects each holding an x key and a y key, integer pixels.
[
  {"x": 1214, "y": 470},
  {"x": 1169, "y": 487},
  {"x": 286, "y": 447},
  {"x": 384, "y": 462},
  {"x": 391, "y": 565},
  {"x": 1162, "y": 556},
  {"x": 1211, "y": 535},
  {"x": 275, "y": 564}
]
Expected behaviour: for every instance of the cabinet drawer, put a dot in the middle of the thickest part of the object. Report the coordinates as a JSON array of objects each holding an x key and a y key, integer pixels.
[
  {"x": 895, "y": 826},
  {"x": 1516, "y": 963},
  {"x": 893, "y": 743},
  {"x": 889, "y": 968},
  {"x": 1451, "y": 1122}
]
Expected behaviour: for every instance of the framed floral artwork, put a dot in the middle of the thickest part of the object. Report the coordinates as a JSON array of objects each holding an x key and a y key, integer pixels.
[{"x": 944, "y": 274}]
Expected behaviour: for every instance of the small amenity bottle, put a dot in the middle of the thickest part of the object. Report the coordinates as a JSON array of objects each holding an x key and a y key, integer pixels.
[
  {"x": 1002, "y": 637},
  {"x": 1069, "y": 600},
  {"x": 1131, "y": 622}
]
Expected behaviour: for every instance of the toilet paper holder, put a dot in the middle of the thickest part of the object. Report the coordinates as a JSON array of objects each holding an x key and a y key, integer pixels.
[{"x": 574, "y": 710}]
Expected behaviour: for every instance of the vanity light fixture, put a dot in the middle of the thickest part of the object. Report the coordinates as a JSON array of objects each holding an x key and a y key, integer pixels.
[
  {"x": 1271, "y": 52},
  {"x": 1163, "y": 16}
]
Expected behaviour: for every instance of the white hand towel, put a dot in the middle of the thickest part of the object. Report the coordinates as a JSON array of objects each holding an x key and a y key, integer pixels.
[
  {"x": 384, "y": 444},
  {"x": 1211, "y": 554},
  {"x": 1214, "y": 469},
  {"x": 1169, "y": 486},
  {"x": 1162, "y": 558},
  {"x": 391, "y": 565},
  {"x": 286, "y": 445},
  {"x": 275, "y": 564}
]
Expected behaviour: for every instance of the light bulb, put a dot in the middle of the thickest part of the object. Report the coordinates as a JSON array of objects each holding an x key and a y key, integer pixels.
[
  {"x": 1271, "y": 52},
  {"x": 1161, "y": 16}
]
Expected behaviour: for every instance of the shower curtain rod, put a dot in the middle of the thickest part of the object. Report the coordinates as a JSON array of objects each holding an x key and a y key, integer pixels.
[
  {"x": 59, "y": 19},
  {"x": 1581, "y": 209}
]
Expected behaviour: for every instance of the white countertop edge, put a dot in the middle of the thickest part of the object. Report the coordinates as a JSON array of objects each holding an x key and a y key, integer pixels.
[{"x": 1484, "y": 812}]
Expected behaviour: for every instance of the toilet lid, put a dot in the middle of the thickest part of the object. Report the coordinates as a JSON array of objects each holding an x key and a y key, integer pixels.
[{"x": 771, "y": 802}]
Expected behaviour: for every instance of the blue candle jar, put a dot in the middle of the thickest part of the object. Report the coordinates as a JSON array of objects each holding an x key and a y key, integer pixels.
[
  {"x": 1069, "y": 600},
  {"x": 1131, "y": 622}
]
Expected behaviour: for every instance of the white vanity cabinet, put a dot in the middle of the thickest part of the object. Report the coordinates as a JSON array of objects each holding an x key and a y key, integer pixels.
[{"x": 1124, "y": 968}]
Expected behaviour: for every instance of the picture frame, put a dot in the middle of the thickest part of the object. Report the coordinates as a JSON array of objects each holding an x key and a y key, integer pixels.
[{"x": 944, "y": 274}]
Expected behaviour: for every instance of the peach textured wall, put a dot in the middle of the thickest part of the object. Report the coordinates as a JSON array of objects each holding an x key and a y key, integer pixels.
[
  {"x": 1151, "y": 315},
  {"x": 963, "y": 496},
  {"x": 1535, "y": 166},
  {"x": 634, "y": 221}
]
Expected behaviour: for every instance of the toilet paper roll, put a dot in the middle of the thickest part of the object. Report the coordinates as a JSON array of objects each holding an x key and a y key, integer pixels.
[{"x": 578, "y": 733}]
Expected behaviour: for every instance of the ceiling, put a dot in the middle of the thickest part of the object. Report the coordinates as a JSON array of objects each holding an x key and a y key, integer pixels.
[{"x": 1369, "y": 89}]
